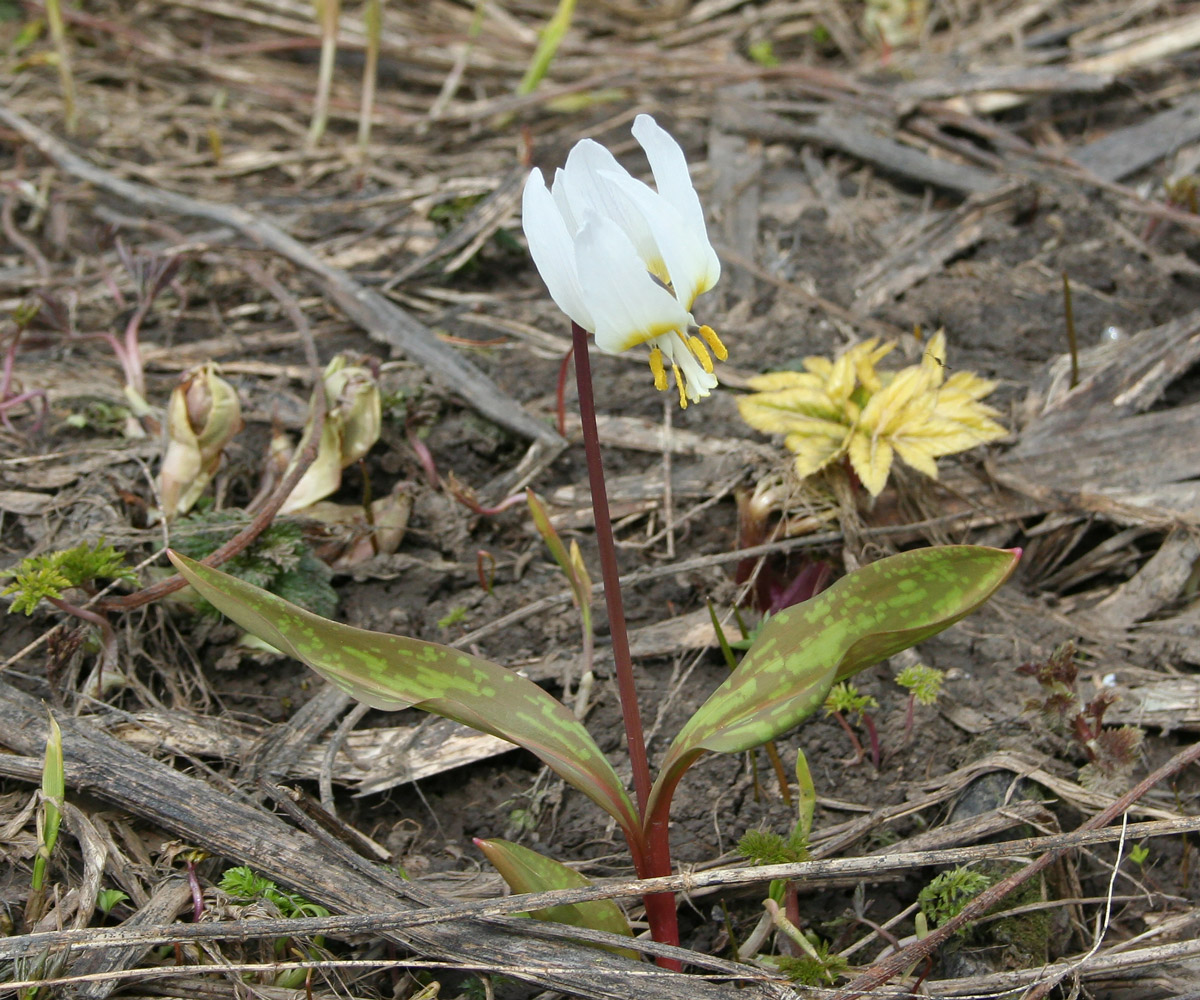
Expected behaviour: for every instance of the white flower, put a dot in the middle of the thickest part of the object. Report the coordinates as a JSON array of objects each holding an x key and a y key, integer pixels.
[{"x": 627, "y": 262}]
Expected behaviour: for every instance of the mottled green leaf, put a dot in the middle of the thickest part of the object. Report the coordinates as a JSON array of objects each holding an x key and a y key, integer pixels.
[
  {"x": 527, "y": 871},
  {"x": 803, "y": 651},
  {"x": 392, "y": 671}
]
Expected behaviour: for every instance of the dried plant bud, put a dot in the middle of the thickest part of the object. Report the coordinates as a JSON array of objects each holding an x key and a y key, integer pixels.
[
  {"x": 353, "y": 419},
  {"x": 202, "y": 417},
  {"x": 355, "y": 404}
]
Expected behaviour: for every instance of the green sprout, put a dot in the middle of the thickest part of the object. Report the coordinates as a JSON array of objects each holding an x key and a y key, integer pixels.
[
  {"x": 106, "y": 899},
  {"x": 62, "y": 55},
  {"x": 373, "y": 23},
  {"x": 247, "y": 886},
  {"x": 945, "y": 897},
  {"x": 328, "y": 12},
  {"x": 845, "y": 700},
  {"x": 1138, "y": 854},
  {"x": 819, "y": 969},
  {"x": 924, "y": 684},
  {"x": 453, "y": 617}
]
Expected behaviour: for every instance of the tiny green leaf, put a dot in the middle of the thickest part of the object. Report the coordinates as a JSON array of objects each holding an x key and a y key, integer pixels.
[
  {"x": 391, "y": 672},
  {"x": 804, "y": 650},
  {"x": 106, "y": 899},
  {"x": 527, "y": 871}
]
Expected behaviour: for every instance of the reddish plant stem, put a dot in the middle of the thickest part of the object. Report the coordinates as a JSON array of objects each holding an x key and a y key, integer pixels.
[
  {"x": 873, "y": 736},
  {"x": 655, "y": 853},
  {"x": 859, "y": 752},
  {"x": 610, "y": 572}
]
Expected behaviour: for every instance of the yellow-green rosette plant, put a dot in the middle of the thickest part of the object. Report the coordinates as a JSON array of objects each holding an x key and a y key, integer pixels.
[{"x": 846, "y": 408}]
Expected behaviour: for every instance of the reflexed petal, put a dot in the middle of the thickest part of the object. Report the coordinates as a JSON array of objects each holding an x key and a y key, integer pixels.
[
  {"x": 595, "y": 183},
  {"x": 552, "y": 249},
  {"x": 685, "y": 257},
  {"x": 627, "y": 307},
  {"x": 674, "y": 184},
  {"x": 559, "y": 190}
]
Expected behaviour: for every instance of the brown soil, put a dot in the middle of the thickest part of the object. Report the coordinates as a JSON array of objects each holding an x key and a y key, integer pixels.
[{"x": 815, "y": 219}]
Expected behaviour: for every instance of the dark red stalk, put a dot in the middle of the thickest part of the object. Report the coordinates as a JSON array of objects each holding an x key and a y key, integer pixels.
[
  {"x": 610, "y": 571},
  {"x": 859, "y": 752},
  {"x": 655, "y": 854},
  {"x": 873, "y": 735}
]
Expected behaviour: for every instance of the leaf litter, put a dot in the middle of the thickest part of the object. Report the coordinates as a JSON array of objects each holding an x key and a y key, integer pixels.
[{"x": 868, "y": 180}]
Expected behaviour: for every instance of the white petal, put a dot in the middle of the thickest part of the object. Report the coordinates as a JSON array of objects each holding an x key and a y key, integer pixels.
[
  {"x": 686, "y": 259},
  {"x": 559, "y": 190},
  {"x": 674, "y": 183},
  {"x": 594, "y": 182},
  {"x": 552, "y": 249},
  {"x": 626, "y": 304}
]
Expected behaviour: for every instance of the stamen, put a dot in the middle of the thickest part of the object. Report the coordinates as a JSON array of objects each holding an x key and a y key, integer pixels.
[
  {"x": 696, "y": 346},
  {"x": 656, "y": 366},
  {"x": 714, "y": 342},
  {"x": 679, "y": 383}
]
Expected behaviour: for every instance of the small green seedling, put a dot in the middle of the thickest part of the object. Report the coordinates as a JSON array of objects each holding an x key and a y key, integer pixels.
[
  {"x": 106, "y": 899},
  {"x": 246, "y": 886},
  {"x": 924, "y": 685},
  {"x": 845, "y": 700},
  {"x": 47, "y": 577},
  {"x": 1138, "y": 854},
  {"x": 454, "y": 616},
  {"x": 949, "y": 892},
  {"x": 1111, "y": 751}
]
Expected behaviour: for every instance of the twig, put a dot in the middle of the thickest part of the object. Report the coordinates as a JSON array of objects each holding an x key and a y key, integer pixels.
[
  {"x": 104, "y": 937},
  {"x": 898, "y": 963},
  {"x": 378, "y": 316}
]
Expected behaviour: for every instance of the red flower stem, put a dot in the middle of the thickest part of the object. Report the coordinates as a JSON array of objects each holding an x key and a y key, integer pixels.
[
  {"x": 873, "y": 735},
  {"x": 859, "y": 752},
  {"x": 653, "y": 856},
  {"x": 610, "y": 572}
]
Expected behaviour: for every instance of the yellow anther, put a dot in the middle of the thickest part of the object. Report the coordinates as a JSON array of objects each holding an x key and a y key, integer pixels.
[
  {"x": 696, "y": 346},
  {"x": 714, "y": 342},
  {"x": 679, "y": 383},
  {"x": 656, "y": 366}
]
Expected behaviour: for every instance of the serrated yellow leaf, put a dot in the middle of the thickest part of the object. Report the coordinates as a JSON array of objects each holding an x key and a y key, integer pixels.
[
  {"x": 871, "y": 458},
  {"x": 819, "y": 366},
  {"x": 813, "y": 453},
  {"x": 786, "y": 411},
  {"x": 918, "y": 453},
  {"x": 866, "y": 357},
  {"x": 774, "y": 381},
  {"x": 968, "y": 384}
]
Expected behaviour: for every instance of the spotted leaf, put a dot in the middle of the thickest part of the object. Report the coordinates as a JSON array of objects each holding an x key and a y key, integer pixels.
[
  {"x": 803, "y": 651},
  {"x": 391, "y": 672}
]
